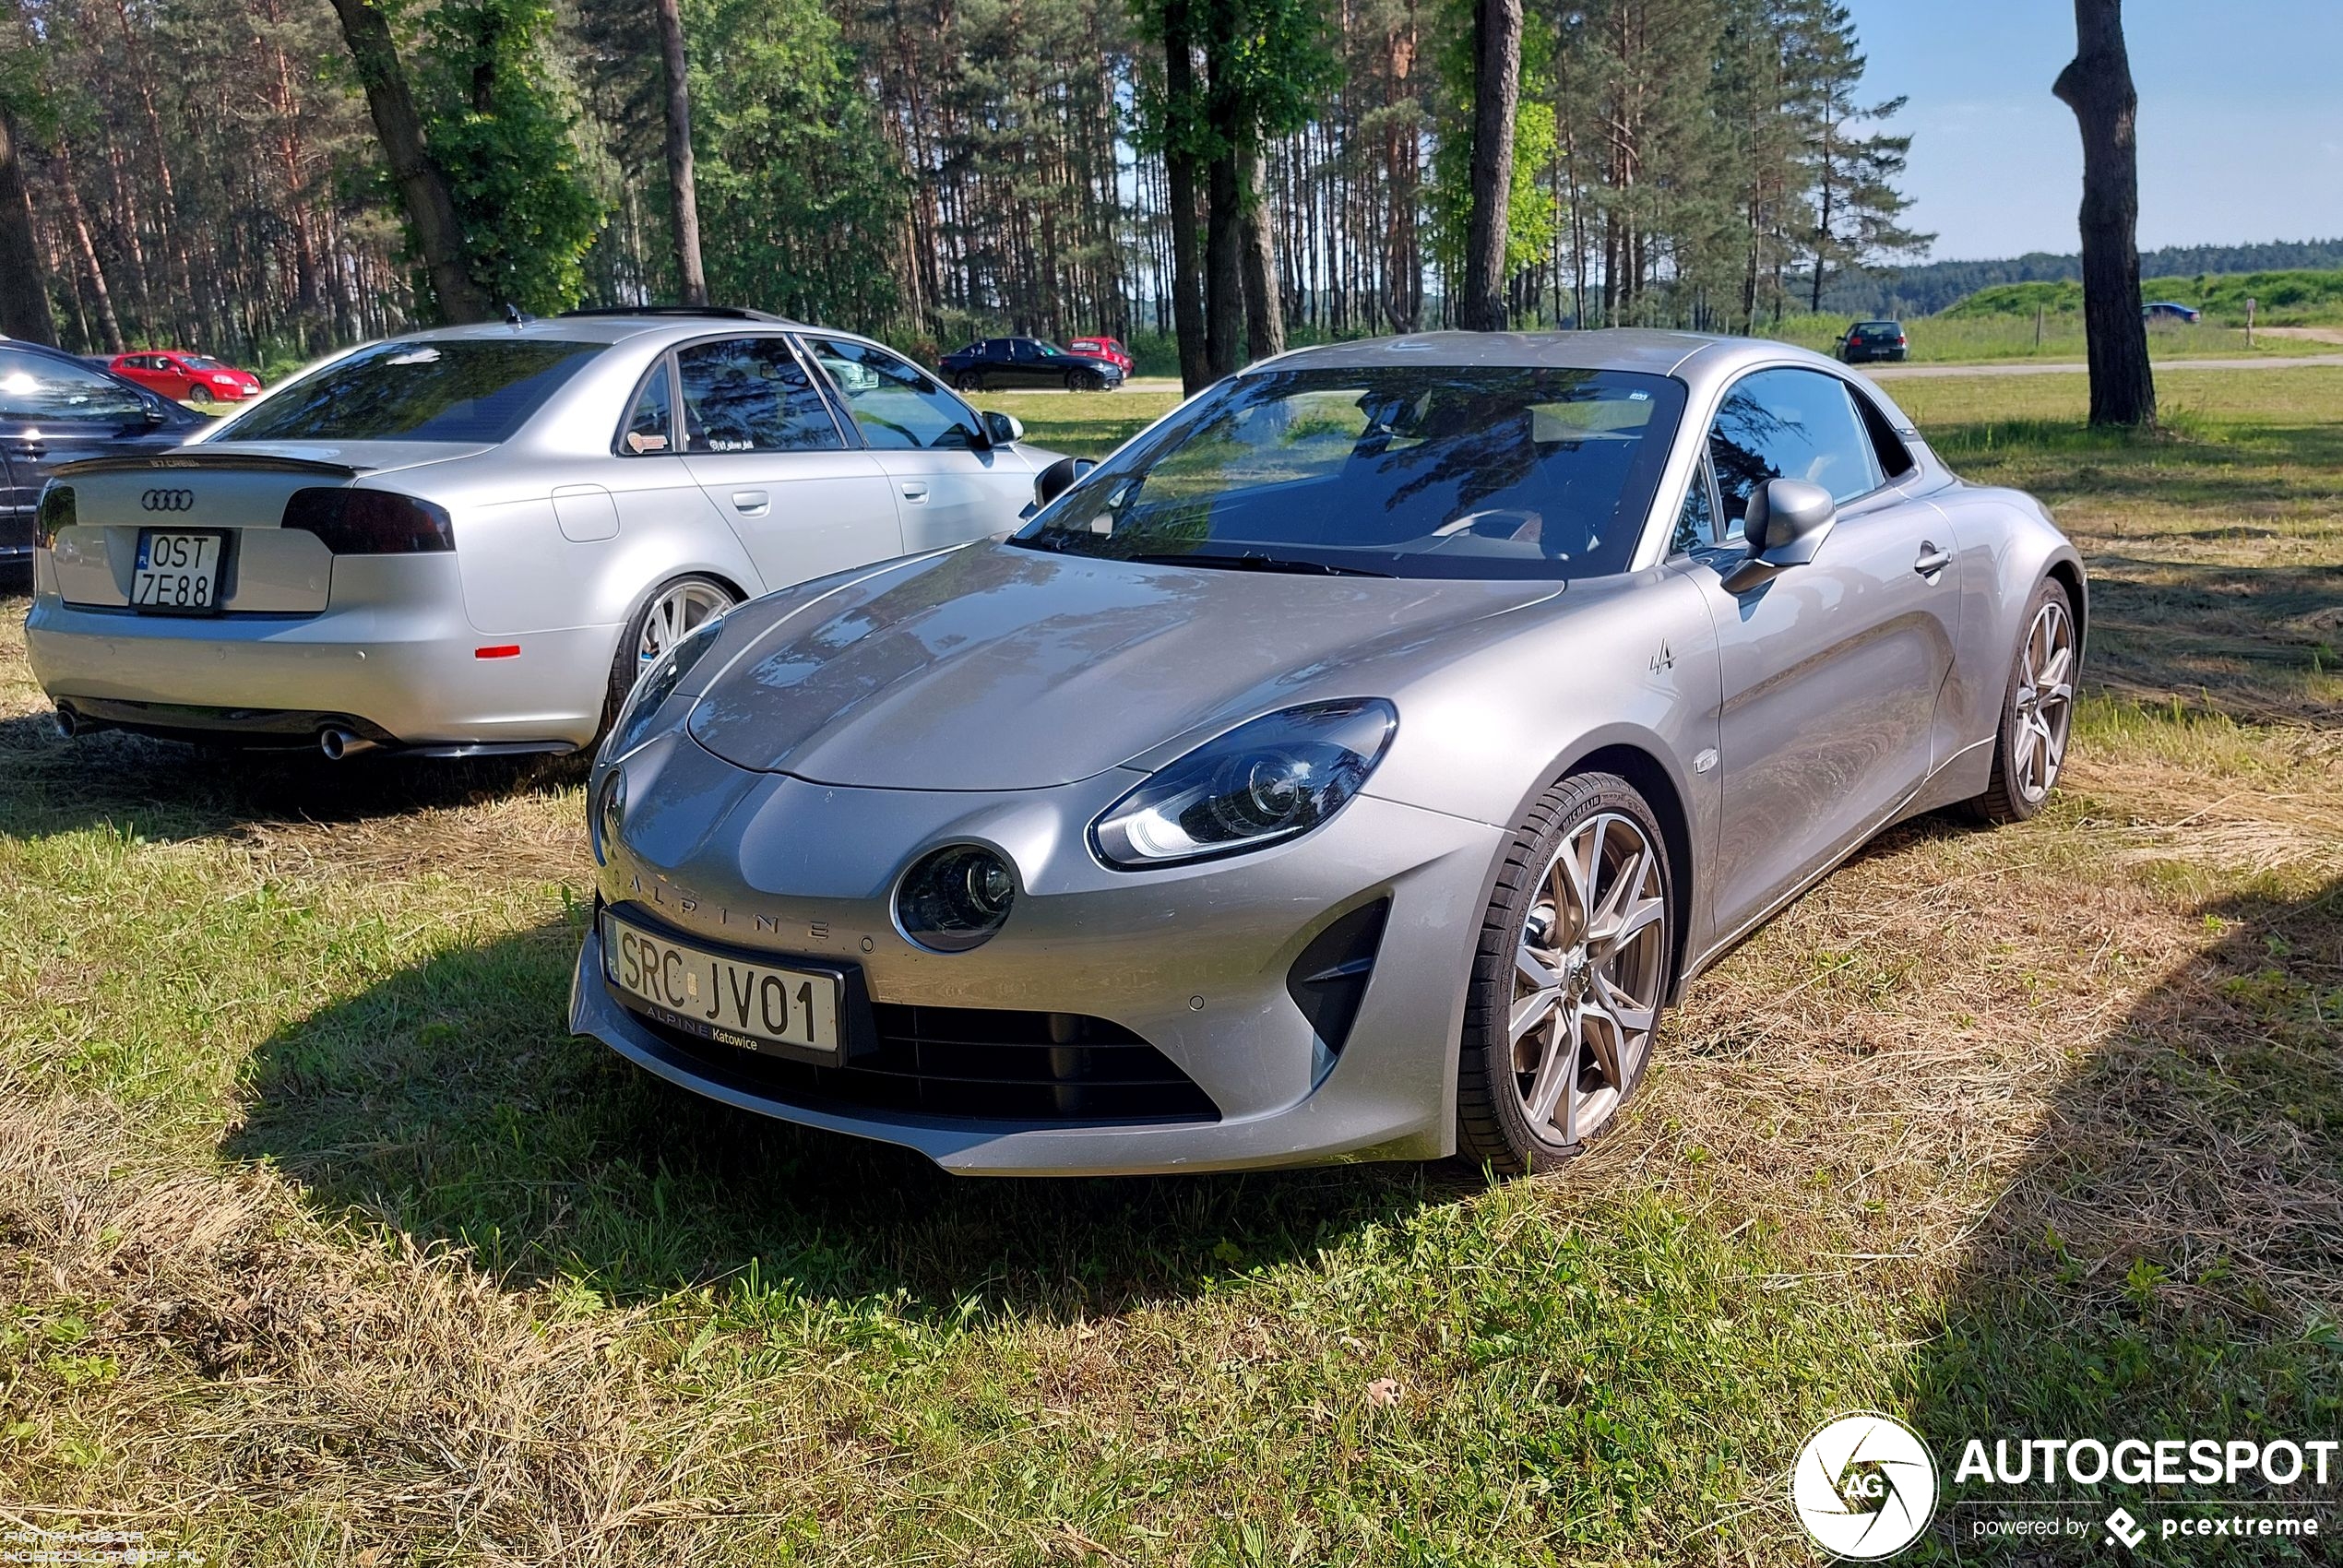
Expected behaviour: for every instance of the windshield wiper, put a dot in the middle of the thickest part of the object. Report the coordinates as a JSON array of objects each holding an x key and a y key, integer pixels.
[{"x": 1255, "y": 561}]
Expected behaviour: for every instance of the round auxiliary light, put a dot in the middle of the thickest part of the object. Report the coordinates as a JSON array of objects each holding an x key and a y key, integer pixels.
[{"x": 954, "y": 898}]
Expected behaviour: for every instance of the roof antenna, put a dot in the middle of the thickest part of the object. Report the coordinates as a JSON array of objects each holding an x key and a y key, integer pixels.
[{"x": 513, "y": 317}]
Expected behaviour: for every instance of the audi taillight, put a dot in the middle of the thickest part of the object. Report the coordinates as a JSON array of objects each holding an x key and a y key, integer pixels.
[
  {"x": 370, "y": 522},
  {"x": 56, "y": 512}
]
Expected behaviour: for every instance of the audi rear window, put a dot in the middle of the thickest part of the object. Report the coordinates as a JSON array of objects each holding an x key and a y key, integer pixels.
[{"x": 464, "y": 390}]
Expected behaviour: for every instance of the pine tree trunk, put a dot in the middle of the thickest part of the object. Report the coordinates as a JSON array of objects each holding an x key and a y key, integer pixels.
[
  {"x": 2097, "y": 84},
  {"x": 109, "y": 324},
  {"x": 1496, "y": 95},
  {"x": 1224, "y": 202},
  {"x": 1224, "y": 267},
  {"x": 683, "y": 189},
  {"x": 431, "y": 211},
  {"x": 24, "y": 288},
  {"x": 1178, "y": 178},
  {"x": 1264, "y": 305}
]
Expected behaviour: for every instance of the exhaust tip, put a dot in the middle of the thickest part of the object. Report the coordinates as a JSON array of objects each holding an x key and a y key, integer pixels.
[
  {"x": 337, "y": 744},
  {"x": 68, "y": 724}
]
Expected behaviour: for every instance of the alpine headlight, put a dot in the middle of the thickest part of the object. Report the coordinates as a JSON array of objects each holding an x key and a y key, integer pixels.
[
  {"x": 1270, "y": 779},
  {"x": 655, "y": 686}
]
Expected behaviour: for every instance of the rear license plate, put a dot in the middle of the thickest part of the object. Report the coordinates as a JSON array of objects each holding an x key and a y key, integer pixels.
[
  {"x": 744, "y": 1004},
  {"x": 178, "y": 573}
]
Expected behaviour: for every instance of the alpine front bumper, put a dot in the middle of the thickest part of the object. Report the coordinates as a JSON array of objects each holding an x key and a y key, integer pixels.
[{"x": 1201, "y": 963}]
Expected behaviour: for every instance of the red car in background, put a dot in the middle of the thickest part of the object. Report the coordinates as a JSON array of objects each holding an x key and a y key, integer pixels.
[
  {"x": 1107, "y": 349},
  {"x": 190, "y": 378}
]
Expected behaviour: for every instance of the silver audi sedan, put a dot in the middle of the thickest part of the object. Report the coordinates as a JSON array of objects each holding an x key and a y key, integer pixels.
[
  {"x": 1352, "y": 767},
  {"x": 471, "y": 541}
]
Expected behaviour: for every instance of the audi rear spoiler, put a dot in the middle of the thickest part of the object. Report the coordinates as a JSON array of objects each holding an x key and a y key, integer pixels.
[{"x": 195, "y": 457}]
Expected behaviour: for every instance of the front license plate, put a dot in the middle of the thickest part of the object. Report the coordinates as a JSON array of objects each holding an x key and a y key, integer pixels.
[
  {"x": 749, "y": 1005},
  {"x": 177, "y": 572}
]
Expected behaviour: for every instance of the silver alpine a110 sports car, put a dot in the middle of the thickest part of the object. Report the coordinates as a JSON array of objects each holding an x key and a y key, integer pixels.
[
  {"x": 474, "y": 539},
  {"x": 1350, "y": 766}
]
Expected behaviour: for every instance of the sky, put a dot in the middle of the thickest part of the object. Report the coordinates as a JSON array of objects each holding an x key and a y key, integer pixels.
[{"x": 2241, "y": 122}]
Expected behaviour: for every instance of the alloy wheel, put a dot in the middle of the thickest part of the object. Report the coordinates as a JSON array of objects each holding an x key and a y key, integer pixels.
[
  {"x": 673, "y": 615},
  {"x": 1587, "y": 970},
  {"x": 2045, "y": 699}
]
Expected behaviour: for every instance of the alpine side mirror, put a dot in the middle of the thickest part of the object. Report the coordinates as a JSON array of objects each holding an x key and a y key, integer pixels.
[
  {"x": 1787, "y": 521},
  {"x": 1002, "y": 429},
  {"x": 1058, "y": 478}
]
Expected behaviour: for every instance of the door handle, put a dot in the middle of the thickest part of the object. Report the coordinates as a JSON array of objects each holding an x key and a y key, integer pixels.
[
  {"x": 752, "y": 502},
  {"x": 914, "y": 490},
  {"x": 1931, "y": 560}
]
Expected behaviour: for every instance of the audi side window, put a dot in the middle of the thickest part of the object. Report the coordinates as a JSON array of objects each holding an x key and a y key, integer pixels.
[
  {"x": 751, "y": 394},
  {"x": 650, "y": 426},
  {"x": 1789, "y": 423},
  {"x": 896, "y": 406},
  {"x": 34, "y": 387}
]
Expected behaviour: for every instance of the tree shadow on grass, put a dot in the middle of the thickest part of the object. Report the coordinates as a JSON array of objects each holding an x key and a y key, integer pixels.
[
  {"x": 2211, "y": 616},
  {"x": 2169, "y": 1263},
  {"x": 164, "y": 791},
  {"x": 450, "y": 1102}
]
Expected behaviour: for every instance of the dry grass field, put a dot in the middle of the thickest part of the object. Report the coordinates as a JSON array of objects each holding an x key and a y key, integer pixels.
[{"x": 322, "y": 1242}]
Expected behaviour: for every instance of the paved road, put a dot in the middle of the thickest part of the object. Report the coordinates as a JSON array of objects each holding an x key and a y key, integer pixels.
[{"x": 2030, "y": 367}]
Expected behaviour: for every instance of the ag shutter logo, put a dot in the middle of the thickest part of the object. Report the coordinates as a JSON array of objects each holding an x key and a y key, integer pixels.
[{"x": 1865, "y": 1486}]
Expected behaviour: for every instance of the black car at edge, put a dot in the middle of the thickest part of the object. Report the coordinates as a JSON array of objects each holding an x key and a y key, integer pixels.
[
  {"x": 1000, "y": 364},
  {"x": 57, "y": 408}
]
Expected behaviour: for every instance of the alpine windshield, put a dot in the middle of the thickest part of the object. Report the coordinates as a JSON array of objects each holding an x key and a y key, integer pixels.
[{"x": 1395, "y": 471}]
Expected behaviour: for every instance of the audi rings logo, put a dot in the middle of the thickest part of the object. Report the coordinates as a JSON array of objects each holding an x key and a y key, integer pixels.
[
  {"x": 168, "y": 500},
  {"x": 1864, "y": 1487}
]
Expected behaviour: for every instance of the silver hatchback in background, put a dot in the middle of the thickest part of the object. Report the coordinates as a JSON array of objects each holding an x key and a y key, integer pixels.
[{"x": 471, "y": 539}]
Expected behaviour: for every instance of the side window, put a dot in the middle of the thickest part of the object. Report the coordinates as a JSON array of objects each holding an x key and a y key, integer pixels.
[
  {"x": 34, "y": 387},
  {"x": 650, "y": 426},
  {"x": 1895, "y": 458},
  {"x": 751, "y": 394},
  {"x": 1696, "y": 522},
  {"x": 1788, "y": 424},
  {"x": 896, "y": 406}
]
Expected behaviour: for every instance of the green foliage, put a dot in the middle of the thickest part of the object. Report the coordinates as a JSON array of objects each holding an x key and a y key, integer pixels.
[
  {"x": 2279, "y": 297},
  {"x": 801, "y": 202},
  {"x": 1532, "y": 216},
  {"x": 1269, "y": 66},
  {"x": 1937, "y": 285},
  {"x": 2018, "y": 299},
  {"x": 500, "y": 130}
]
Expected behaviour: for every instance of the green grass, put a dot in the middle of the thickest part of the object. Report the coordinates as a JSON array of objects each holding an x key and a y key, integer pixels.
[{"x": 319, "y": 1238}]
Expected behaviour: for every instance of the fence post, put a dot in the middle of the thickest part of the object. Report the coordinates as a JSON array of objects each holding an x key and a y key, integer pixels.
[
  {"x": 2249, "y": 320},
  {"x": 2037, "y": 324}
]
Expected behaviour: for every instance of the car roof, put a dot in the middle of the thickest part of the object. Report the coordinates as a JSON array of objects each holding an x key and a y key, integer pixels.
[
  {"x": 613, "y": 327},
  {"x": 1649, "y": 349},
  {"x": 40, "y": 348}
]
